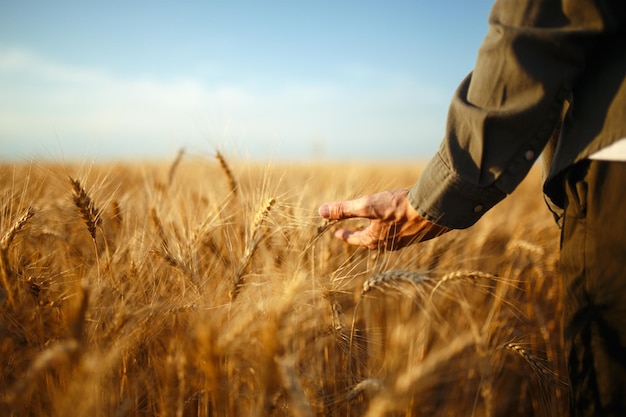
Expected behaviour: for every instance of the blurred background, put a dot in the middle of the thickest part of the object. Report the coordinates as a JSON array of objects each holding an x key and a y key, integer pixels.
[{"x": 325, "y": 80}]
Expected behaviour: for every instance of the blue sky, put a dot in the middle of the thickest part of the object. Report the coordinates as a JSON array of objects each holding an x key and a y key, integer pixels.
[{"x": 264, "y": 79}]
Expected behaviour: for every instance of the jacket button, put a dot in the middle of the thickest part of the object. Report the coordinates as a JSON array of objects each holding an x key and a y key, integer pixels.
[
  {"x": 478, "y": 208},
  {"x": 529, "y": 155}
]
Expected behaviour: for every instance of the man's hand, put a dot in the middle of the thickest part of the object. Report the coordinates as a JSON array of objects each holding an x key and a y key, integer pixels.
[{"x": 393, "y": 222}]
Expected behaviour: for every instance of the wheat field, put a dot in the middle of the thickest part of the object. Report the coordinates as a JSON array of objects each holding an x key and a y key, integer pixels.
[{"x": 209, "y": 286}]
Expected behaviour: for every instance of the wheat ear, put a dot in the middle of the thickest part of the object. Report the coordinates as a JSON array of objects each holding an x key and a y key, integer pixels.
[
  {"x": 88, "y": 211},
  {"x": 5, "y": 244},
  {"x": 255, "y": 238},
  {"x": 386, "y": 279},
  {"x": 535, "y": 363},
  {"x": 165, "y": 253},
  {"x": 526, "y": 246},
  {"x": 158, "y": 225},
  {"x": 460, "y": 275},
  {"x": 174, "y": 166},
  {"x": 8, "y": 237},
  {"x": 232, "y": 183},
  {"x": 371, "y": 385}
]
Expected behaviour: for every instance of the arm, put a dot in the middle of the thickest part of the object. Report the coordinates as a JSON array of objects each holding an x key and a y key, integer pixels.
[{"x": 505, "y": 111}]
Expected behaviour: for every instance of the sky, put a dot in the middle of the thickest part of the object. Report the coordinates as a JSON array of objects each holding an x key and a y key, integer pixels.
[{"x": 357, "y": 80}]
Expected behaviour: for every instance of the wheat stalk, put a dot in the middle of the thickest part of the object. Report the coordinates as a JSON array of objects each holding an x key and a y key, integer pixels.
[
  {"x": 320, "y": 230},
  {"x": 89, "y": 213},
  {"x": 78, "y": 327}
]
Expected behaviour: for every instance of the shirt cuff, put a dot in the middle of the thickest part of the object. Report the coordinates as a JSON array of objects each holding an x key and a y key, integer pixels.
[{"x": 444, "y": 198}]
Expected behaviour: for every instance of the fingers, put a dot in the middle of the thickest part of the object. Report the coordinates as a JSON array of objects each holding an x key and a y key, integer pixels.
[
  {"x": 340, "y": 210},
  {"x": 358, "y": 238}
]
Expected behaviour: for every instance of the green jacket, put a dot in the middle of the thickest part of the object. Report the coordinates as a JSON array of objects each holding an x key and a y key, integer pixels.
[{"x": 550, "y": 76}]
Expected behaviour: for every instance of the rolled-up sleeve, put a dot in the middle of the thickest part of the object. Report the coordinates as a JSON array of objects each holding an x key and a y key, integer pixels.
[{"x": 503, "y": 114}]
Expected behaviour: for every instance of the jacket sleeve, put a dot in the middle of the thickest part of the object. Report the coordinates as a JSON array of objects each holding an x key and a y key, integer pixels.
[{"x": 504, "y": 112}]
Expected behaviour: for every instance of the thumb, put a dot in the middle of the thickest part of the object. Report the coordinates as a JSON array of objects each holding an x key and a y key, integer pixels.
[
  {"x": 336, "y": 210},
  {"x": 325, "y": 211}
]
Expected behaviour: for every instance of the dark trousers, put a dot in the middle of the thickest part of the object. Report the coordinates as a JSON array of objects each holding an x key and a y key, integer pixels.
[{"x": 593, "y": 264}]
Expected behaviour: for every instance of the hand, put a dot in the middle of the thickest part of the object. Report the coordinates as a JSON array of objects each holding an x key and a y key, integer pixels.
[{"x": 394, "y": 223}]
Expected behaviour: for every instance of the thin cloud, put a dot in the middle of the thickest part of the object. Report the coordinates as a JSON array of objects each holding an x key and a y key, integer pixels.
[{"x": 42, "y": 98}]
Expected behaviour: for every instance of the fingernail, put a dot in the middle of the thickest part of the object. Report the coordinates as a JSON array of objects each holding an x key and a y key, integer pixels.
[{"x": 324, "y": 211}]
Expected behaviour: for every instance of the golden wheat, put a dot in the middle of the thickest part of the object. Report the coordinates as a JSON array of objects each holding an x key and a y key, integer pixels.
[{"x": 232, "y": 299}]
